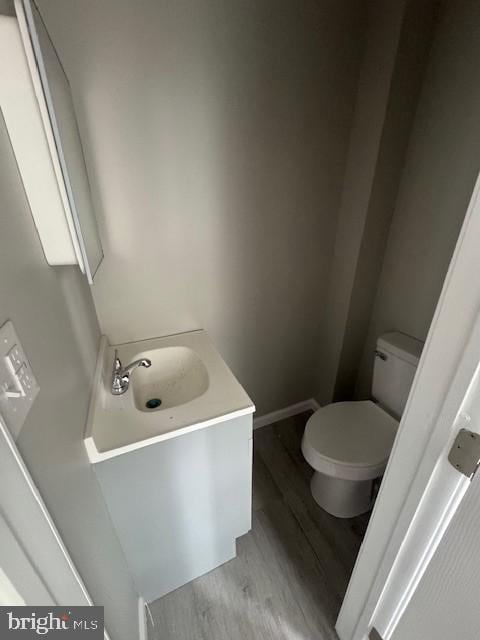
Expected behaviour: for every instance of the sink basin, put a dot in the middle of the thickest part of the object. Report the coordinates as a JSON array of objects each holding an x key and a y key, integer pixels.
[
  {"x": 193, "y": 387},
  {"x": 177, "y": 376}
]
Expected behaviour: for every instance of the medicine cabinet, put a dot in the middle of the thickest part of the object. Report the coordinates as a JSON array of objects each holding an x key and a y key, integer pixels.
[{"x": 37, "y": 105}]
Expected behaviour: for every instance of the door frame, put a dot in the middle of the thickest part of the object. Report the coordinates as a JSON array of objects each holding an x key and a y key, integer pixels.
[
  {"x": 420, "y": 492},
  {"x": 26, "y": 522},
  {"x": 19, "y": 580}
]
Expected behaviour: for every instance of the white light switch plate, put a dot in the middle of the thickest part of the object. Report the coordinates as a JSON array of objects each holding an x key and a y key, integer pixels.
[{"x": 18, "y": 387}]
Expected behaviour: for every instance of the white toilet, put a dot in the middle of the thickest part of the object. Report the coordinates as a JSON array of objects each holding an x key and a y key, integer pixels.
[{"x": 348, "y": 443}]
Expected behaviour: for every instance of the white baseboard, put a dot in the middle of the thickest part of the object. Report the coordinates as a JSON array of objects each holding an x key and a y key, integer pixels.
[
  {"x": 142, "y": 620},
  {"x": 287, "y": 412}
]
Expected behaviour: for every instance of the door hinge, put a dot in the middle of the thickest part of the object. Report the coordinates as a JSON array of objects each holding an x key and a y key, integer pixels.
[
  {"x": 374, "y": 635},
  {"x": 465, "y": 452}
]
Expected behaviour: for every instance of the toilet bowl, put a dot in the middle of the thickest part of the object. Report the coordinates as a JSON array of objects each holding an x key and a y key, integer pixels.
[{"x": 348, "y": 443}]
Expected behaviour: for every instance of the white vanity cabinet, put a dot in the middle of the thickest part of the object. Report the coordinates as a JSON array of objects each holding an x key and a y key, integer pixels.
[
  {"x": 178, "y": 505},
  {"x": 177, "y": 477}
]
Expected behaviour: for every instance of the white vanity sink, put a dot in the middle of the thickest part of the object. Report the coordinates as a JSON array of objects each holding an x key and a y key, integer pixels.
[
  {"x": 177, "y": 375},
  {"x": 191, "y": 384},
  {"x": 177, "y": 477}
]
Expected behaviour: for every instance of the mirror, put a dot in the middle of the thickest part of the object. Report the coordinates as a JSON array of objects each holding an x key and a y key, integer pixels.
[{"x": 61, "y": 113}]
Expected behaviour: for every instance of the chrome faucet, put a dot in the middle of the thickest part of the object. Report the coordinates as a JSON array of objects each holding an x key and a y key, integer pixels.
[{"x": 121, "y": 375}]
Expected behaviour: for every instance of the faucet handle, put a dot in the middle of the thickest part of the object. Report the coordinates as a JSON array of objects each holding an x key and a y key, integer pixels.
[{"x": 117, "y": 364}]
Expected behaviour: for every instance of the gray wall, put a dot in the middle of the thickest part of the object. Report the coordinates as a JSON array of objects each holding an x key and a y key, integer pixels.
[
  {"x": 53, "y": 313},
  {"x": 441, "y": 166},
  {"x": 7, "y": 8},
  {"x": 398, "y": 39},
  {"x": 216, "y": 134}
]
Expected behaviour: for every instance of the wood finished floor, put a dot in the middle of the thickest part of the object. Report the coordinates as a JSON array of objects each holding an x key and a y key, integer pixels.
[{"x": 291, "y": 570}]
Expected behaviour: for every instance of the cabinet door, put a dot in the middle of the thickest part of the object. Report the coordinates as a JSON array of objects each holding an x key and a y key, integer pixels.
[
  {"x": 67, "y": 150},
  {"x": 179, "y": 505}
]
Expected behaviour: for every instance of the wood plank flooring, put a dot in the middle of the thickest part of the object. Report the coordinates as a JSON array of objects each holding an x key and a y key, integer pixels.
[{"x": 291, "y": 570}]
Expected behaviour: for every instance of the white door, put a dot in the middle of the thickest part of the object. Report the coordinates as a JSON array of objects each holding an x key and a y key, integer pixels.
[
  {"x": 19, "y": 582},
  {"x": 446, "y": 604},
  {"x": 35, "y": 567},
  {"x": 425, "y": 594},
  {"x": 418, "y": 557}
]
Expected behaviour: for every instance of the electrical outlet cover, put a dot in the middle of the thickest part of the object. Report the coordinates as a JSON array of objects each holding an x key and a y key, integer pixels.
[{"x": 18, "y": 387}]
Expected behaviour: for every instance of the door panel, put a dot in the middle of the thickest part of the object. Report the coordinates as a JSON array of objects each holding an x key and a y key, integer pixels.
[
  {"x": 19, "y": 582},
  {"x": 446, "y": 603},
  {"x": 27, "y": 528}
]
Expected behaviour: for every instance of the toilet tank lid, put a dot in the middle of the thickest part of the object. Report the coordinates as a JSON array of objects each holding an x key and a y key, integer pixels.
[{"x": 401, "y": 345}]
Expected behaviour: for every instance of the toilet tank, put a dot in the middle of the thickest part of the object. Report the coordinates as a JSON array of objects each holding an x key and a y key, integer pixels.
[{"x": 396, "y": 360}]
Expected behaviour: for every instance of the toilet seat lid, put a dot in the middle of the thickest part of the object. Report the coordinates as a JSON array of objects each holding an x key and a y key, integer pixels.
[{"x": 352, "y": 434}]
